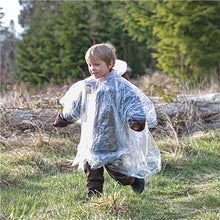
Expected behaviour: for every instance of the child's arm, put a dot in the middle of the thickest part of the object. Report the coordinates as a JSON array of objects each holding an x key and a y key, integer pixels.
[
  {"x": 139, "y": 110},
  {"x": 60, "y": 121},
  {"x": 71, "y": 103}
]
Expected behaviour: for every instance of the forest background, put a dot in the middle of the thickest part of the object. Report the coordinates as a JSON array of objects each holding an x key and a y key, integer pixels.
[{"x": 180, "y": 38}]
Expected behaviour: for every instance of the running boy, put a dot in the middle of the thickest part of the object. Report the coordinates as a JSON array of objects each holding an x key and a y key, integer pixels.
[{"x": 115, "y": 117}]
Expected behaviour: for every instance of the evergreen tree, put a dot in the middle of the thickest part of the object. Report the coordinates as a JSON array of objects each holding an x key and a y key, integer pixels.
[
  {"x": 189, "y": 37},
  {"x": 54, "y": 42},
  {"x": 136, "y": 20},
  {"x": 106, "y": 25},
  {"x": 73, "y": 37},
  {"x": 38, "y": 50},
  {"x": 8, "y": 51},
  {"x": 184, "y": 36},
  {"x": 57, "y": 35}
]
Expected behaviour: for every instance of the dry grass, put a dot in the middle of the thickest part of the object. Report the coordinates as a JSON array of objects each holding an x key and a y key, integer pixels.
[
  {"x": 110, "y": 204},
  {"x": 22, "y": 96},
  {"x": 159, "y": 84}
]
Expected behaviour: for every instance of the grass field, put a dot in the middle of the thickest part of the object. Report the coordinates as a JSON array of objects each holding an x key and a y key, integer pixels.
[{"x": 38, "y": 182}]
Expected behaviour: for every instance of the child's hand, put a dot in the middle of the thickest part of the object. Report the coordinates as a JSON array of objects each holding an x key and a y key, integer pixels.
[
  {"x": 61, "y": 121},
  {"x": 137, "y": 125}
]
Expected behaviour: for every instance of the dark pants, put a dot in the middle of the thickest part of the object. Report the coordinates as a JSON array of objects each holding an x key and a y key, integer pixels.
[{"x": 95, "y": 179}]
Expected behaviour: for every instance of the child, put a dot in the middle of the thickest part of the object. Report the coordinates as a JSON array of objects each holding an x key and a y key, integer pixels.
[{"x": 115, "y": 117}]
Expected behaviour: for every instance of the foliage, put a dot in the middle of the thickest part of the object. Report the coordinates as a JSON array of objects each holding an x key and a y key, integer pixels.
[
  {"x": 72, "y": 38},
  {"x": 189, "y": 37},
  {"x": 38, "y": 46},
  {"x": 185, "y": 35},
  {"x": 135, "y": 19},
  {"x": 106, "y": 25},
  {"x": 59, "y": 33},
  {"x": 179, "y": 37},
  {"x": 50, "y": 46}
]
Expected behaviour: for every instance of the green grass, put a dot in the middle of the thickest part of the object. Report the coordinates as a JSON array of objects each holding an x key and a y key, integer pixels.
[{"x": 37, "y": 182}]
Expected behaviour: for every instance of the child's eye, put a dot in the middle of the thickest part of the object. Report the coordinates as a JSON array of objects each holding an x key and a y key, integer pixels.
[{"x": 94, "y": 64}]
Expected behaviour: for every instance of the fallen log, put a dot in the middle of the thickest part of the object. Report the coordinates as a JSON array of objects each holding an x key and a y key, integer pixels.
[
  {"x": 186, "y": 114},
  {"x": 189, "y": 113}
]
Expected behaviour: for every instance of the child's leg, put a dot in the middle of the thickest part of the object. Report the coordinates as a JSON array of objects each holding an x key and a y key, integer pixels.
[
  {"x": 119, "y": 177},
  {"x": 94, "y": 180},
  {"x": 137, "y": 184}
]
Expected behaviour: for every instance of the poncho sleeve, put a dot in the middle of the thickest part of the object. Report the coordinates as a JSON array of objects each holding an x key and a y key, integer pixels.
[
  {"x": 71, "y": 102},
  {"x": 138, "y": 106}
]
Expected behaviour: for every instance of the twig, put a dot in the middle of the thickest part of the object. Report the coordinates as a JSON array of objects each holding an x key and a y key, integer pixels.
[{"x": 50, "y": 133}]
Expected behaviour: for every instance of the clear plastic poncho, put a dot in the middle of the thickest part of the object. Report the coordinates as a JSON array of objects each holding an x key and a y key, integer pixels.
[{"x": 103, "y": 107}]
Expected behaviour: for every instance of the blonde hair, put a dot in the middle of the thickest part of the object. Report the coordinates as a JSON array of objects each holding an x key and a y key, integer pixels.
[{"x": 103, "y": 51}]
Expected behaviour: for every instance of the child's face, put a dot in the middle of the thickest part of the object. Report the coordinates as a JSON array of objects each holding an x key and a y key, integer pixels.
[{"x": 99, "y": 68}]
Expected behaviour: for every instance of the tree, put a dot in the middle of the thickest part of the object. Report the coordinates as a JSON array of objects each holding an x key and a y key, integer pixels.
[
  {"x": 188, "y": 37},
  {"x": 106, "y": 25},
  {"x": 136, "y": 20},
  {"x": 184, "y": 36},
  {"x": 72, "y": 34},
  {"x": 54, "y": 42},
  {"x": 8, "y": 51},
  {"x": 38, "y": 50},
  {"x": 57, "y": 35}
]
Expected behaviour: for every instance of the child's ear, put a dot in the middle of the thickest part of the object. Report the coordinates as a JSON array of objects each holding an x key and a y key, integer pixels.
[{"x": 111, "y": 64}]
